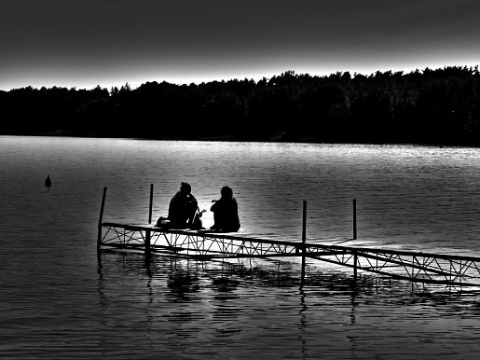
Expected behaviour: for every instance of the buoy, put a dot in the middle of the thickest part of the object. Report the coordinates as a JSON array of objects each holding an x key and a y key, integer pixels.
[{"x": 48, "y": 182}]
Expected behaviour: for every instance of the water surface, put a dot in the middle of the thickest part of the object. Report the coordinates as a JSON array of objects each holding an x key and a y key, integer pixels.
[{"x": 59, "y": 301}]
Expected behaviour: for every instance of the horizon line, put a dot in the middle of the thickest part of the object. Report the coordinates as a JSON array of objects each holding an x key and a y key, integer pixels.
[{"x": 243, "y": 78}]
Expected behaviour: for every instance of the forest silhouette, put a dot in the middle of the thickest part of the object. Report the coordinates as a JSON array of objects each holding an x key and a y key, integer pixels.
[{"x": 439, "y": 106}]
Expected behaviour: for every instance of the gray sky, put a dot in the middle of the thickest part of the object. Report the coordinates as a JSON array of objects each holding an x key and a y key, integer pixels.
[{"x": 84, "y": 43}]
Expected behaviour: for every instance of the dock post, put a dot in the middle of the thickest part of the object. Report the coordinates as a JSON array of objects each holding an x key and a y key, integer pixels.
[
  {"x": 354, "y": 219},
  {"x": 151, "y": 205},
  {"x": 99, "y": 239},
  {"x": 355, "y": 270},
  {"x": 355, "y": 260},
  {"x": 147, "y": 243},
  {"x": 148, "y": 233},
  {"x": 304, "y": 238}
]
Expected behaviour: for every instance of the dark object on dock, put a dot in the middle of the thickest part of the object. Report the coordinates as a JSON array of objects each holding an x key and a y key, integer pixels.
[{"x": 48, "y": 181}]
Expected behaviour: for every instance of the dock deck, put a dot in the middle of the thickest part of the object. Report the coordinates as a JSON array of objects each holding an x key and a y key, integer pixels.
[{"x": 413, "y": 266}]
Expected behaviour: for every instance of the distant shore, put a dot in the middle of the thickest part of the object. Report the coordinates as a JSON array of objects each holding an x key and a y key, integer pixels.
[
  {"x": 279, "y": 138},
  {"x": 429, "y": 107}
]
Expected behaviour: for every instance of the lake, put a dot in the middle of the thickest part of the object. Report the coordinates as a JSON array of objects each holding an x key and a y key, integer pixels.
[{"x": 59, "y": 300}]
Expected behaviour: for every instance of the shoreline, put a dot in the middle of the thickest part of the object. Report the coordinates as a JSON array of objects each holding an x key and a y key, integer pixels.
[{"x": 278, "y": 138}]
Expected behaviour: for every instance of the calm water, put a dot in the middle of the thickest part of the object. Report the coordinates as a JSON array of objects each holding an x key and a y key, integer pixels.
[{"x": 58, "y": 300}]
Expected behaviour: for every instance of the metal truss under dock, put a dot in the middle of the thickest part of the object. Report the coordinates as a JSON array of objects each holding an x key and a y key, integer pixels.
[{"x": 413, "y": 266}]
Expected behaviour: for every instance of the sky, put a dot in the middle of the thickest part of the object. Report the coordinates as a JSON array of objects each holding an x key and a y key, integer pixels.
[{"x": 85, "y": 43}]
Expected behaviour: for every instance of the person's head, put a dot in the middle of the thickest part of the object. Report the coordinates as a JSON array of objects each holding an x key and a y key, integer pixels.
[
  {"x": 185, "y": 188},
  {"x": 227, "y": 192}
]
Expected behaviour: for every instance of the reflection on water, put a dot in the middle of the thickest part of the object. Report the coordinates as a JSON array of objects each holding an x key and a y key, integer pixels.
[{"x": 227, "y": 305}]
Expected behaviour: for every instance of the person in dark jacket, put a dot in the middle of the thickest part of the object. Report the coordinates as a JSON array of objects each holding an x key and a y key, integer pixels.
[
  {"x": 225, "y": 212},
  {"x": 183, "y": 208}
]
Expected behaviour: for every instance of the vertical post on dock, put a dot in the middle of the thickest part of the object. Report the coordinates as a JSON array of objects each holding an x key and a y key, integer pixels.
[
  {"x": 304, "y": 238},
  {"x": 354, "y": 219},
  {"x": 99, "y": 239},
  {"x": 151, "y": 205},
  {"x": 148, "y": 232},
  {"x": 147, "y": 243},
  {"x": 355, "y": 261}
]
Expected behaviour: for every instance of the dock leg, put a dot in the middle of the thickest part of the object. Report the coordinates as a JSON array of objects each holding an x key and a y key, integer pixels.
[
  {"x": 354, "y": 219},
  {"x": 304, "y": 238},
  {"x": 99, "y": 239},
  {"x": 147, "y": 243},
  {"x": 147, "y": 250},
  {"x": 150, "y": 209},
  {"x": 355, "y": 261}
]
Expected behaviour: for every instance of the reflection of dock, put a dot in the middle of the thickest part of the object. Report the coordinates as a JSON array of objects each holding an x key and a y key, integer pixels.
[{"x": 412, "y": 266}]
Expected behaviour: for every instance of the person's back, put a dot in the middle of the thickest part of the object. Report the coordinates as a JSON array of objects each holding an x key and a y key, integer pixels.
[
  {"x": 176, "y": 209},
  {"x": 182, "y": 207},
  {"x": 225, "y": 212}
]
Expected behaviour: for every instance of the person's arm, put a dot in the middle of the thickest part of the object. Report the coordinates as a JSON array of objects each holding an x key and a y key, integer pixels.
[
  {"x": 191, "y": 198},
  {"x": 214, "y": 206},
  {"x": 237, "y": 218}
]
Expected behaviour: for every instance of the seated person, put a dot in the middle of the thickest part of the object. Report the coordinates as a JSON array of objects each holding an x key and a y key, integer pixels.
[
  {"x": 183, "y": 208},
  {"x": 225, "y": 212}
]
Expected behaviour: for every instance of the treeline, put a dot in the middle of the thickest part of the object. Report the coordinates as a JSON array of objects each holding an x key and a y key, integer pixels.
[{"x": 439, "y": 106}]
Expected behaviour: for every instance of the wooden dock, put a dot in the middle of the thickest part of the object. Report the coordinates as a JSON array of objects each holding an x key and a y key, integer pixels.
[{"x": 451, "y": 270}]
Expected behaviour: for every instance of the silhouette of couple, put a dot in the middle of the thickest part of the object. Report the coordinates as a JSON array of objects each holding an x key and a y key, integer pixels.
[{"x": 184, "y": 212}]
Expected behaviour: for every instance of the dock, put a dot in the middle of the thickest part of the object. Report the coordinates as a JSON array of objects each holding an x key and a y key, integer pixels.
[{"x": 426, "y": 268}]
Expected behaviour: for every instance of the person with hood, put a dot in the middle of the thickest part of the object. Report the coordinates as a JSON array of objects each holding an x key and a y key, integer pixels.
[
  {"x": 183, "y": 208},
  {"x": 225, "y": 212}
]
